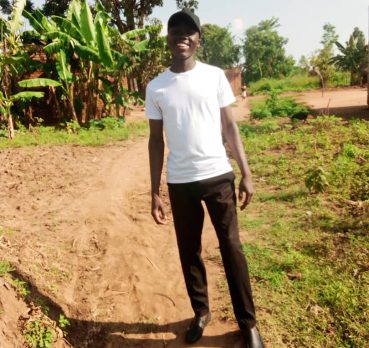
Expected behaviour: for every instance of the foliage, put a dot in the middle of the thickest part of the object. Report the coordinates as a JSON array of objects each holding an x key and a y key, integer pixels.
[
  {"x": 322, "y": 62},
  {"x": 308, "y": 258},
  {"x": 129, "y": 15},
  {"x": 353, "y": 57},
  {"x": 192, "y": 4},
  {"x": 6, "y": 6},
  {"x": 38, "y": 335},
  {"x": 104, "y": 59},
  {"x": 276, "y": 106},
  {"x": 296, "y": 83},
  {"x": 55, "y": 8},
  {"x": 264, "y": 52},
  {"x": 359, "y": 185},
  {"x": 5, "y": 268},
  {"x": 218, "y": 47},
  {"x": 21, "y": 287},
  {"x": 316, "y": 180}
]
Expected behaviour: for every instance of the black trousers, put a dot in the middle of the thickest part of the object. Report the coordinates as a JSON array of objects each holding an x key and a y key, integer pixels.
[{"x": 219, "y": 196}]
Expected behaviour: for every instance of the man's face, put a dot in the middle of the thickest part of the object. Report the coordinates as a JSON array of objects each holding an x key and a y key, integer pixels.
[{"x": 183, "y": 40}]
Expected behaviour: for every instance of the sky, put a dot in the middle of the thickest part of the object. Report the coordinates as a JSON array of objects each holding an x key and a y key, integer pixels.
[{"x": 301, "y": 21}]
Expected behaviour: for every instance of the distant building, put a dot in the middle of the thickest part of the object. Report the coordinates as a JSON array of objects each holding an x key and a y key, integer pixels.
[{"x": 234, "y": 76}]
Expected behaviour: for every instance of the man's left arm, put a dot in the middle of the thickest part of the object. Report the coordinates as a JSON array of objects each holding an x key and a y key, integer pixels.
[{"x": 232, "y": 136}]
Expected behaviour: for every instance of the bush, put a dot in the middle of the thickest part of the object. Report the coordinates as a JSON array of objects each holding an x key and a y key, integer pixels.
[
  {"x": 359, "y": 188},
  {"x": 277, "y": 106},
  {"x": 296, "y": 83}
]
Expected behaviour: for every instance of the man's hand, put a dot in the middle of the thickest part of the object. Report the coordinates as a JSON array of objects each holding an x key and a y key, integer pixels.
[
  {"x": 158, "y": 210},
  {"x": 245, "y": 191}
]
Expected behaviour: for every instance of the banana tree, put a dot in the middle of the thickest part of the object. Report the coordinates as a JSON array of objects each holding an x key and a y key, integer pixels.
[
  {"x": 7, "y": 102},
  {"x": 94, "y": 53},
  {"x": 9, "y": 62}
]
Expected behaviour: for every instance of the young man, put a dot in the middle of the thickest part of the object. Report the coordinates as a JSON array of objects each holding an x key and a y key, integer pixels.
[{"x": 190, "y": 101}]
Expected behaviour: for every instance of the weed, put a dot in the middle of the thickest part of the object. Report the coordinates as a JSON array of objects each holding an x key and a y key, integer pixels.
[
  {"x": 316, "y": 180},
  {"x": 38, "y": 335},
  {"x": 21, "y": 287},
  {"x": 277, "y": 106},
  {"x": 5, "y": 268}
]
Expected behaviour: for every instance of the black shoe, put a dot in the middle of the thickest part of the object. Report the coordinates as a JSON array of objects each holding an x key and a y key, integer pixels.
[
  {"x": 196, "y": 328},
  {"x": 252, "y": 338}
]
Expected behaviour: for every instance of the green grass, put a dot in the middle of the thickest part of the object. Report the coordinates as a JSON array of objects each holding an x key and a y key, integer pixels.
[
  {"x": 75, "y": 135},
  {"x": 297, "y": 83},
  {"x": 309, "y": 251}
]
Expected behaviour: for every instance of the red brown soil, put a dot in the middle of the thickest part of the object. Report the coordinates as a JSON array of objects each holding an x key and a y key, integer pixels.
[{"x": 82, "y": 236}]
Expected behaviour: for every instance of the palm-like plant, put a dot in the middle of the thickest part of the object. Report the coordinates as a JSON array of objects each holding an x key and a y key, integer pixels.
[
  {"x": 95, "y": 52},
  {"x": 353, "y": 57},
  {"x": 13, "y": 62}
]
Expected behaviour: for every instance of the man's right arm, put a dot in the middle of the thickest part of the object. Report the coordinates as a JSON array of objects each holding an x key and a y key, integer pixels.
[{"x": 156, "y": 157}]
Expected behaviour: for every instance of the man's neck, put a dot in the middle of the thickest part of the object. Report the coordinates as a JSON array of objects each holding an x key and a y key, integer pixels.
[{"x": 179, "y": 66}]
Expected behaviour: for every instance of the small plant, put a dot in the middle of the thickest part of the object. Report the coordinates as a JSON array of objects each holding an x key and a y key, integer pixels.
[
  {"x": 316, "y": 180},
  {"x": 5, "y": 268},
  {"x": 359, "y": 188},
  {"x": 64, "y": 323},
  {"x": 38, "y": 335},
  {"x": 72, "y": 127},
  {"x": 21, "y": 287}
]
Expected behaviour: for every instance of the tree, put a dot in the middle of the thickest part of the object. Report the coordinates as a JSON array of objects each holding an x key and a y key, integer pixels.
[
  {"x": 322, "y": 61},
  {"x": 353, "y": 57},
  {"x": 265, "y": 56},
  {"x": 192, "y": 4},
  {"x": 218, "y": 47},
  {"x": 57, "y": 8},
  {"x": 91, "y": 58},
  {"x": 130, "y": 14},
  {"x": 6, "y": 6}
]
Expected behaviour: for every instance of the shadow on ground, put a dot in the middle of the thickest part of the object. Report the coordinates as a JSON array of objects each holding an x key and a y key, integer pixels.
[
  {"x": 346, "y": 112},
  {"x": 96, "y": 334}
]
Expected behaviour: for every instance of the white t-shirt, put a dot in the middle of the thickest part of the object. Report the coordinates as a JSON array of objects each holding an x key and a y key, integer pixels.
[{"x": 189, "y": 104}]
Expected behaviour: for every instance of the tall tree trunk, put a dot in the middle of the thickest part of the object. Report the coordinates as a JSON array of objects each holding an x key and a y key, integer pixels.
[
  {"x": 10, "y": 126},
  {"x": 56, "y": 101},
  {"x": 71, "y": 103}
]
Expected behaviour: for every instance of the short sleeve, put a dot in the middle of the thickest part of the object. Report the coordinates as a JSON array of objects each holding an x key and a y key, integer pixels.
[
  {"x": 152, "y": 109},
  {"x": 225, "y": 93}
]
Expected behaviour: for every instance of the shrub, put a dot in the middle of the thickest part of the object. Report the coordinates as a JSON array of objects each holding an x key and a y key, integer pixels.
[
  {"x": 359, "y": 188},
  {"x": 277, "y": 106},
  {"x": 316, "y": 180}
]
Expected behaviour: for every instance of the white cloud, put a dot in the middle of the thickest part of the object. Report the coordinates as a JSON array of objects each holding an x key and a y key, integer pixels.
[{"x": 238, "y": 25}]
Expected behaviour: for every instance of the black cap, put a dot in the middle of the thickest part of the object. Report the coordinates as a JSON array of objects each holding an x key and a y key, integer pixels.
[{"x": 187, "y": 14}]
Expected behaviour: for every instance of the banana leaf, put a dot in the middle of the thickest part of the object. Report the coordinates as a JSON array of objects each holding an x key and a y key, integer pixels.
[
  {"x": 40, "y": 82},
  {"x": 87, "y": 24},
  {"x": 36, "y": 24},
  {"x": 16, "y": 22},
  {"x": 63, "y": 68},
  {"x": 87, "y": 53},
  {"x": 141, "y": 45},
  {"x": 103, "y": 45},
  {"x": 68, "y": 27},
  {"x": 132, "y": 34},
  {"x": 26, "y": 95},
  {"x": 74, "y": 13},
  {"x": 54, "y": 47}
]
